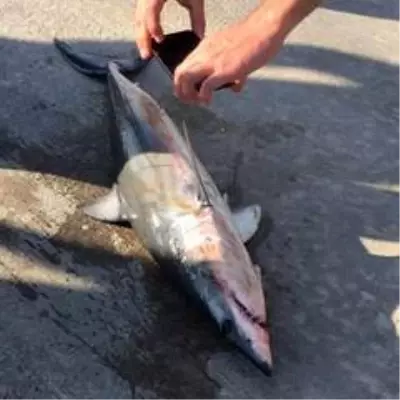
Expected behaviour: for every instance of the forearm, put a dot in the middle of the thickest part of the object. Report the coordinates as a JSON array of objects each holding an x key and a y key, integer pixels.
[
  {"x": 232, "y": 53},
  {"x": 282, "y": 16}
]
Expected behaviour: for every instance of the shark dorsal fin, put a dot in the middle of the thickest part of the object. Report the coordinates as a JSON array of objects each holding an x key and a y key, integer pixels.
[{"x": 205, "y": 198}]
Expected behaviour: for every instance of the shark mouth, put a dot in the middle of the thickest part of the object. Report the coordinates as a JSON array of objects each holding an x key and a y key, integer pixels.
[
  {"x": 248, "y": 314},
  {"x": 249, "y": 332}
]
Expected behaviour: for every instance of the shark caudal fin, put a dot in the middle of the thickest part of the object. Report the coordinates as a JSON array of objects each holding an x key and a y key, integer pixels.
[{"x": 96, "y": 66}]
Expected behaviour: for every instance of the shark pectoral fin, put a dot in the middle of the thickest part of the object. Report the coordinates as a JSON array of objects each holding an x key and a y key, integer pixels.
[
  {"x": 107, "y": 208},
  {"x": 247, "y": 221},
  {"x": 257, "y": 270}
]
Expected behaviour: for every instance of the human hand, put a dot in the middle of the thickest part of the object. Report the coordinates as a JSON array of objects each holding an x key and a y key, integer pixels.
[
  {"x": 229, "y": 55},
  {"x": 233, "y": 53},
  {"x": 148, "y": 26}
]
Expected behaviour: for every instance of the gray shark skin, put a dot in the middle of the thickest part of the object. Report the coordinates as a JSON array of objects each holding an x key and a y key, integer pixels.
[{"x": 172, "y": 203}]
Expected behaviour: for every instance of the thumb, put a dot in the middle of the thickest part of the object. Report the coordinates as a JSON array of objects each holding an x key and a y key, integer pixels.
[
  {"x": 197, "y": 17},
  {"x": 153, "y": 19}
]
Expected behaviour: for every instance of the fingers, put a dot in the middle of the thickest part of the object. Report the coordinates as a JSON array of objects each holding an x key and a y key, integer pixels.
[
  {"x": 197, "y": 17},
  {"x": 153, "y": 16},
  {"x": 143, "y": 42},
  {"x": 148, "y": 25},
  {"x": 186, "y": 80},
  {"x": 209, "y": 85},
  {"x": 206, "y": 69},
  {"x": 196, "y": 83}
]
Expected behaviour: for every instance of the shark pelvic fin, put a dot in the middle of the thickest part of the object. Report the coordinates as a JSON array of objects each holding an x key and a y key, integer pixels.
[
  {"x": 247, "y": 221},
  {"x": 107, "y": 208}
]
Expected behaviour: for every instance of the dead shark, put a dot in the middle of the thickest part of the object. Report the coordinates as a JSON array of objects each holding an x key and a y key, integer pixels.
[{"x": 176, "y": 209}]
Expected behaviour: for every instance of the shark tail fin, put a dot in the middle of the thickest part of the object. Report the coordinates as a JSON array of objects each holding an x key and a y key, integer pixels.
[{"x": 96, "y": 66}]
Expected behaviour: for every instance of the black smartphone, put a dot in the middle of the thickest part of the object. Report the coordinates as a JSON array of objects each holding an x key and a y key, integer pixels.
[{"x": 176, "y": 47}]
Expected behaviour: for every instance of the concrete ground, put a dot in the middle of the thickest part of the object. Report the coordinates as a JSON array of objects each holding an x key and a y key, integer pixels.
[{"x": 83, "y": 314}]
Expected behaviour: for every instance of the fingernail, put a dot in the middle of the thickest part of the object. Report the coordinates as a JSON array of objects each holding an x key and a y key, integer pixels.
[{"x": 145, "y": 54}]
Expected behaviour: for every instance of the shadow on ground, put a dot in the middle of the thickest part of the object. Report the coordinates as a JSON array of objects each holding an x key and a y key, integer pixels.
[
  {"x": 371, "y": 8},
  {"x": 330, "y": 300},
  {"x": 129, "y": 320}
]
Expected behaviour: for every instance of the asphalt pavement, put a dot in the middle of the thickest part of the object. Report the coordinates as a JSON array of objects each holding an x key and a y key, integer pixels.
[{"x": 86, "y": 314}]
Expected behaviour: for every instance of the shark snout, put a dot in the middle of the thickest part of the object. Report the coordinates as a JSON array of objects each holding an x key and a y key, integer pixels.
[{"x": 249, "y": 332}]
